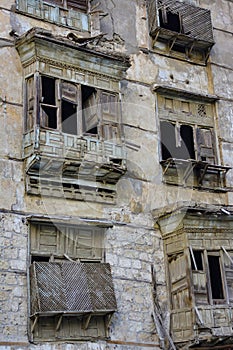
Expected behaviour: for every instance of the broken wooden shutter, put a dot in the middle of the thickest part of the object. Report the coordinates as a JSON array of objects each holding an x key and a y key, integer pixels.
[
  {"x": 205, "y": 145},
  {"x": 152, "y": 15},
  {"x": 228, "y": 267},
  {"x": 109, "y": 115},
  {"x": 179, "y": 282},
  {"x": 197, "y": 24},
  {"x": 81, "y": 5},
  {"x": 199, "y": 278},
  {"x": 29, "y": 100},
  {"x": 181, "y": 307}
]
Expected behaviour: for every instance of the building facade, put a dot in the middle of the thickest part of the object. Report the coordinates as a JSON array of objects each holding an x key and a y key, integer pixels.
[{"x": 116, "y": 206}]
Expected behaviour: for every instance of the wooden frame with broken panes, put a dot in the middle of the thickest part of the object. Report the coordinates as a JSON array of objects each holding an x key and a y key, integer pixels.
[{"x": 71, "y": 108}]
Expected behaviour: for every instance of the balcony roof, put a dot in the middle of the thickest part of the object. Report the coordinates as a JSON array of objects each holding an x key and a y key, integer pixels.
[{"x": 39, "y": 44}]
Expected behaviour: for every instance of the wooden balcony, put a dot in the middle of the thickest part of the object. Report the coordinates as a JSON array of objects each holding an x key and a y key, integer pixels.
[
  {"x": 75, "y": 165},
  {"x": 201, "y": 322},
  {"x": 195, "y": 173}
]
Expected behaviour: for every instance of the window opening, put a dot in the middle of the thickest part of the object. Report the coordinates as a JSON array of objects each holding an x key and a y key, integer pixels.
[
  {"x": 179, "y": 48},
  {"x": 169, "y": 20},
  {"x": 215, "y": 277},
  {"x": 39, "y": 258},
  {"x": 196, "y": 260},
  {"x": 69, "y": 117},
  {"x": 182, "y": 148},
  {"x": 187, "y": 148},
  {"x": 48, "y": 103},
  {"x": 168, "y": 142}
]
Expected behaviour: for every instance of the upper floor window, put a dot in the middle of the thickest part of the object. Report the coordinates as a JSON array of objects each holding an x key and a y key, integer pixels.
[
  {"x": 71, "y": 13},
  {"x": 179, "y": 28},
  {"x": 188, "y": 140},
  {"x": 80, "y": 5},
  {"x": 71, "y": 108}
]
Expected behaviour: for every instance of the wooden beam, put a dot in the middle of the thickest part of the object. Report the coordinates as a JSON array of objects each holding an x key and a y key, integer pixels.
[{"x": 86, "y": 321}]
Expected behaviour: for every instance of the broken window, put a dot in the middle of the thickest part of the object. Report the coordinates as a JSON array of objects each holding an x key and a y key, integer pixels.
[
  {"x": 68, "y": 13},
  {"x": 177, "y": 141},
  {"x": 197, "y": 260},
  {"x": 71, "y": 289},
  {"x": 170, "y": 20},
  {"x": 208, "y": 279},
  {"x": 177, "y": 26},
  {"x": 216, "y": 283},
  {"x": 72, "y": 108}
]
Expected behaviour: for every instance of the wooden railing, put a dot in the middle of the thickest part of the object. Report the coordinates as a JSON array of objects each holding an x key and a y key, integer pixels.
[{"x": 73, "y": 147}]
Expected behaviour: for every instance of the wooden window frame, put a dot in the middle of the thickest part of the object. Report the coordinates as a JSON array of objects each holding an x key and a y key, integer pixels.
[
  {"x": 206, "y": 270},
  {"x": 80, "y": 5},
  {"x": 196, "y": 144},
  {"x": 107, "y": 123}
]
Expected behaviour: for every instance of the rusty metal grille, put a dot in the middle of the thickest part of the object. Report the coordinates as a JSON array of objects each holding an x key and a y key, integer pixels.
[{"x": 70, "y": 287}]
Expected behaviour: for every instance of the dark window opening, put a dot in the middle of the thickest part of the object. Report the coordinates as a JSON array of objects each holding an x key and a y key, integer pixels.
[
  {"x": 186, "y": 133},
  {"x": 69, "y": 117},
  {"x": 169, "y": 20},
  {"x": 177, "y": 142},
  {"x": 93, "y": 131},
  {"x": 89, "y": 110},
  {"x": 197, "y": 254},
  {"x": 215, "y": 277},
  {"x": 168, "y": 142},
  {"x": 48, "y": 91},
  {"x": 179, "y": 48},
  {"x": 39, "y": 258},
  {"x": 87, "y": 91},
  {"x": 49, "y": 117}
]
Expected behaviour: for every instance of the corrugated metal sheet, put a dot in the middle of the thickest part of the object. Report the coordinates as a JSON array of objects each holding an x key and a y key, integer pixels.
[
  {"x": 70, "y": 287},
  {"x": 196, "y": 21}
]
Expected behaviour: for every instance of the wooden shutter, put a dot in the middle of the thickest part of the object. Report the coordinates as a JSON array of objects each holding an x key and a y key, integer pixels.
[
  {"x": 152, "y": 15},
  {"x": 197, "y": 23},
  {"x": 181, "y": 307},
  {"x": 30, "y": 101},
  {"x": 85, "y": 243},
  {"x": 109, "y": 115},
  {"x": 199, "y": 280},
  {"x": 180, "y": 297},
  {"x": 69, "y": 92},
  {"x": 228, "y": 267},
  {"x": 205, "y": 145}
]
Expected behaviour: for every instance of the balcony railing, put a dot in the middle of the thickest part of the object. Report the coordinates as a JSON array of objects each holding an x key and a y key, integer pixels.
[{"x": 64, "y": 146}]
